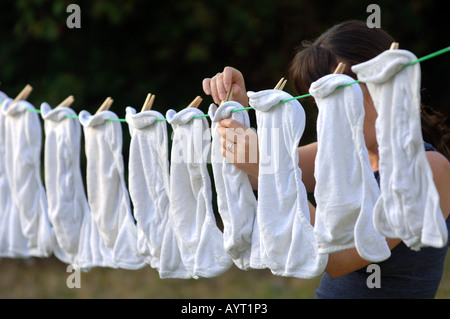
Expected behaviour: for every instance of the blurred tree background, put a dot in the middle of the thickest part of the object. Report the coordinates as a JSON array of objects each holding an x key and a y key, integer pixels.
[{"x": 128, "y": 48}]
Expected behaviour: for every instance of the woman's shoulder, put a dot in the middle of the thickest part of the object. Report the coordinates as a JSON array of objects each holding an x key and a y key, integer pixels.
[
  {"x": 440, "y": 166},
  {"x": 438, "y": 162}
]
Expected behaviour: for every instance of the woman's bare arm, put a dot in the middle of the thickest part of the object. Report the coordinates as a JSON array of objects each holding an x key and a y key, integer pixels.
[
  {"x": 347, "y": 261},
  {"x": 306, "y": 158}
]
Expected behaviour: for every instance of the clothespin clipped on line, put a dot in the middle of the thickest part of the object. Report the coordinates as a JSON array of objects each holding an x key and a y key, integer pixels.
[
  {"x": 280, "y": 85},
  {"x": 67, "y": 102},
  {"x": 394, "y": 46},
  {"x": 106, "y": 105},
  {"x": 148, "y": 102},
  {"x": 340, "y": 68},
  {"x": 23, "y": 95},
  {"x": 196, "y": 102},
  {"x": 229, "y": 96}
]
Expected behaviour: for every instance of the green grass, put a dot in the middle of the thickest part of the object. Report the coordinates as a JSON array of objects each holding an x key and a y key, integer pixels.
[
  {"x": 46, "y": 278},
  {"x": 444, "y": 288}
]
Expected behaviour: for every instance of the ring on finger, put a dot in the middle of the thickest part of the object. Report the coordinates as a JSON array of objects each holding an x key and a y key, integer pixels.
[{"x": 229, "y": 146}]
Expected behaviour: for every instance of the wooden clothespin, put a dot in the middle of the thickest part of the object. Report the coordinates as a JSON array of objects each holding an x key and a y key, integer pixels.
[
  {"x": 148, "y": 102},
  {"x": 280, "y": 85},
  {"x": 196, "y": 102},
  {"x": 340, "y": 68},
  {"x": 67, "y": 102},
  {"x": 23, "y": 95},
  {"x": 106, "y": 105},
  {"x": 229, "y": 96},
  {"x": 394, "y": 46}
]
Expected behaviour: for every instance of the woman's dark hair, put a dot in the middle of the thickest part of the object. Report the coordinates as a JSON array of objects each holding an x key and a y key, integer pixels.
[
  {"x": 353, "y": 42},
  {"x": 435, "y": 126}
]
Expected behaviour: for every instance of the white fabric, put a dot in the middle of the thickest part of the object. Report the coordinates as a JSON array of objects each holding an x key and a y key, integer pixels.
[
  {"x": 23, "y": 141},
  {"x": 149, "y": 189},
  {"x": 106, "y": 188},
  {"x": 13, "y": 243},
  {"x": 194, "y": 223},
  {"x": 288, "y": 244},
  {"x": 346, "y": 189},
  {"x": 68, "y": 208},
  {"x": 237, "y": 204},
  {"x": 65, "y": 219},
  {"x": 409, "y": 204},
  {"x": 92, "y": 249}
]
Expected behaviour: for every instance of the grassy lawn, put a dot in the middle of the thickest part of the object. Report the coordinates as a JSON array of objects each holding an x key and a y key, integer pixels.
[
  {"x": 46, "y": 278},
  {"x": 444, "y": 289}
]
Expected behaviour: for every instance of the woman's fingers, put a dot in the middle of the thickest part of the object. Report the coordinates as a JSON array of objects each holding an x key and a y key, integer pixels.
[
  {"x": 230, "y": 123},
  {"x": 239, "y": 140},
  {"x": 215, "y": 87},
  {"x": 222, "y": 82},
  {"x": 230, "y": 77},
  {"x": 220, "y": 87},
  {"x": 206, "y": 84},
  {"x": 214, "y": 90},
  {"x": 227, "y": 144},
  {"x": 229, "y": 155}
]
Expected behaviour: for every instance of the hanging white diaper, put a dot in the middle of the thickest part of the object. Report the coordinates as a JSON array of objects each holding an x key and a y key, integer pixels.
[
  {"x": 65, "y": 217},
  {"x": 68, "y": 209},
  {"x": 23, "y": 141},
  {"x": 106, "y": 188},
  {"x": 346, "y": 189},
  {"x": 194, "y": 224},
  {"x": 237, "y": 204},
  {"x": 409, "y": 204},
  {"x": 13, "y": 243},
  {"x": 149, "y": 191},
  {"x": 288, "y": 244}
]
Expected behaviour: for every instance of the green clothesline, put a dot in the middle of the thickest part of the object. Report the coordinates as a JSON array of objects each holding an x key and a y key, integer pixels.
[{"x": 424, "y": 58}]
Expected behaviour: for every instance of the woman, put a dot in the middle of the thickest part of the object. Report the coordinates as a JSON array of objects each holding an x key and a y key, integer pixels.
[{"x": 407, "y": 273}]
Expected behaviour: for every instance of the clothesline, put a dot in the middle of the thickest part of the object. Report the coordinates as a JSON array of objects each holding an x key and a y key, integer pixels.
[
  {"x": 424, "y": 58},
  {"x": 150, "y": 220}
]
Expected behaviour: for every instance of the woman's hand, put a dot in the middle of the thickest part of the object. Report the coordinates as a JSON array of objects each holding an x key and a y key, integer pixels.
[
  {"x": 239, "y": 146},
  {"x": 239, "y": 143},
  {"x": 221, "y": 83}
]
